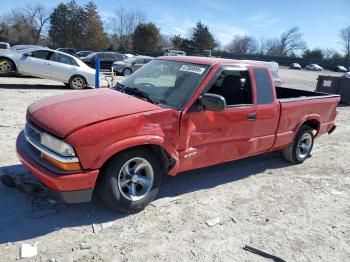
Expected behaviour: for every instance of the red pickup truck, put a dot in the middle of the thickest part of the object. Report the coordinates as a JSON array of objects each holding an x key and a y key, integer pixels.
[{"x": 172, "y": 115}]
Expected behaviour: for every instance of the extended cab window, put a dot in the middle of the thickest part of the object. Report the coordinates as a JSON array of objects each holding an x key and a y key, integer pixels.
[
  {"x": 234, "y": 86},
  {"x": 263, "y": 86}
]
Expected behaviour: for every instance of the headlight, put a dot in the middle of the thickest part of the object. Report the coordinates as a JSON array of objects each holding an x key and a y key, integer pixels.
[{"x": 57, "y": 145}]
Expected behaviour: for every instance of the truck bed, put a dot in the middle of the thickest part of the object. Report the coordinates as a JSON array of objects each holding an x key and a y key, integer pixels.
[
  {"x": 285, "y": 94},
  {"x": 297, "y": 106}
]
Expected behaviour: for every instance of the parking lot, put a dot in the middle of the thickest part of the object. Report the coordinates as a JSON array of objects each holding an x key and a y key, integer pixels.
[{"x": 295, "y": 212}]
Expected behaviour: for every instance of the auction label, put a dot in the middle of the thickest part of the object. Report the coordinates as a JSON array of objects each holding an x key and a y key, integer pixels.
[{"x": 192, "y": 69}]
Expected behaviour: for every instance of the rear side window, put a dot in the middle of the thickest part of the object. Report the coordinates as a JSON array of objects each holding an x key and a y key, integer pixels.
[{"x": 263, "y": 86}]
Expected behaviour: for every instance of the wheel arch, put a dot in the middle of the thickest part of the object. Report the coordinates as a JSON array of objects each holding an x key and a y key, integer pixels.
[
  {"x": 313, "y": 121},
  {"x": 165, "y": 151}
]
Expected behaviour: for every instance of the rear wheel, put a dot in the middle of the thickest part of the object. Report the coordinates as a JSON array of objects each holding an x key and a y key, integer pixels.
[
  {"x": 6, "y": 66},
  {"x": 127, "y": 72},
  {"x": 301, "y": 147},
  {"x": 77, "y": 82},
  {"x": 130, "y": 181}
]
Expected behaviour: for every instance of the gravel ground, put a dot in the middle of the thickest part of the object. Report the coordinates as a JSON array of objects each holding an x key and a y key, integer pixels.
[{"x": 296, "y": 212}]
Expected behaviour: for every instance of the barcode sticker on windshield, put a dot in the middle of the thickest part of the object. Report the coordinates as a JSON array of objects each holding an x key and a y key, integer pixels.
[{"x": 192, "y": 69}]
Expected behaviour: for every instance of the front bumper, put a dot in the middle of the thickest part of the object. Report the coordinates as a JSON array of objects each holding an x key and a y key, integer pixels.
[{"x": 66, "y": 187}]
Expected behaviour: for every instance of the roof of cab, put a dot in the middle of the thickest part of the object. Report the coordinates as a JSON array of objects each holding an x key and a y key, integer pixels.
[{"x": 211, "y": 60}]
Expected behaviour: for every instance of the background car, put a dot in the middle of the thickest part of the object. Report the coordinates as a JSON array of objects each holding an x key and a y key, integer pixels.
[
  {"x": 21, "y": 47},
  {"x": 128, "y": 55},
  {"x": 106, "y": 58},
  {"x": 295, "y": 66},
  {"x": 339, "y": 68},
  {"x": 50, "y": 64},
  {"x": 83, "y": 53},
  {"x": 70, "y": 51},
  {"x": 130, "y": 65},
  {"x": 314, "y": 67},
  {"x": 4, "y": 45},
  {"x": 175, "y": 53},
  {"x": 347, "y": 75}
]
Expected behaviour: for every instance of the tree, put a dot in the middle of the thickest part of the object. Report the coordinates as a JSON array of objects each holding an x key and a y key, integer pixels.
[
  {"x": 35, "y": 18},
  {"x": 24, "y": 25},
  {"x": 345, "y": 38},
  {"x": 315, "y": 53},
  {"x": 95, "y": 36},
  {"x": 72, "y": 25},
  {"x": 67, "y": 25},
  {"x": 147, "y": 38},
  {"x": 242, "y": 45},
  {"x": 166, "y": 42},
  {"x": 123, "y": 25},
  {"x": 202, "y": 38},
  {"x": 291, "y": 41},
  {"x": 177, "y": 41}
]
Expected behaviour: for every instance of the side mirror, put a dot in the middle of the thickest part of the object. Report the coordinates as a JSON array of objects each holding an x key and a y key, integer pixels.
[
  {"x": 213, "y": 102},
  {"x": 28, "y": 54}
]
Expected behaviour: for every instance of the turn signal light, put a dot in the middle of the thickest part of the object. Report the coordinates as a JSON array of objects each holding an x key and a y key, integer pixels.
[{"x": 75, "y": 166}]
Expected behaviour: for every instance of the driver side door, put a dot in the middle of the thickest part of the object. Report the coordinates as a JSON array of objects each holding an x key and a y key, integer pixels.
[{"x": 210, "y": 137}]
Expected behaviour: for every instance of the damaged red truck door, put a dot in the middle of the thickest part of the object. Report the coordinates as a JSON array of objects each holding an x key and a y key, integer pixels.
[{"x": 174, "y": 114}]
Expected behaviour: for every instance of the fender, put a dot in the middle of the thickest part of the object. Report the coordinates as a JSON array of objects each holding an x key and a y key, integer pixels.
[
  {"x": 314, "y": 117},
  {"x": 121, "y": 145}
]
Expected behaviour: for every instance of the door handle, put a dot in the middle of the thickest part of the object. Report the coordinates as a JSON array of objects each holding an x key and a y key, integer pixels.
[{"x": 251, "y": 117}]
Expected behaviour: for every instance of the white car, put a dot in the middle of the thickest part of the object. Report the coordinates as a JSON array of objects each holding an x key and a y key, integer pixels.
[
  {"x": 347, "y": 75},
  {"x": 313, "y": 67},
  {"x": 4, "y": 45},
  {"x": 175, "y": 53},
  {"x": 47, "y": 63}
]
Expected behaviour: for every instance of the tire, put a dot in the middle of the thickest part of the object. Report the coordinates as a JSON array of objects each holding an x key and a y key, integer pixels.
[
  {"x": 300, "y": 149},
  {"x": 118, "y": 178},
  {"x": 6, "y": 67},
  {"x": 127, "y": 72},
  {"x": 77, "y": 82}
]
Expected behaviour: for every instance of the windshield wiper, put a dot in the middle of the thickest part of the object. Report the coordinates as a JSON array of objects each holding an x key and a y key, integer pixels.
[
  {"x": 136, "y": 92},
  {"x": 141, "y": 94}
]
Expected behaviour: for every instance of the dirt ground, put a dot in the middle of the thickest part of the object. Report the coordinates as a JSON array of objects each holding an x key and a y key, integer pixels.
[{"x": 295, "y": 212}]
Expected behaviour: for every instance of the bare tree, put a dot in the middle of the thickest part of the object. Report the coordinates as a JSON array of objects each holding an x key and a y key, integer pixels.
[
  {"x": 123, "y": 26},
  {"x": 328, "y": 53},
  {"x": 345, "y": 38},
  {"x": 242, "y": 45},
  {"x": 25, "y": 25},
  {"x": 35, "y": 17},
  {"x": 291, "y": 41}
]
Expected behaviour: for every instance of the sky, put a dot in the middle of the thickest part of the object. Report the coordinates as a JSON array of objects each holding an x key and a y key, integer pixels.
[{"x": 319, "y": 20}]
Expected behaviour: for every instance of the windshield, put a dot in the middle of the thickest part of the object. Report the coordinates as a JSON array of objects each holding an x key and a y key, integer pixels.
[{"x": 169, "y": 83}]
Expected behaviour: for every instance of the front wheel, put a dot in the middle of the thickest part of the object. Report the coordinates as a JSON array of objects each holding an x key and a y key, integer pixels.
[
  {"x": 300, "y": 149},
  {"x": 130, "y": 180}
]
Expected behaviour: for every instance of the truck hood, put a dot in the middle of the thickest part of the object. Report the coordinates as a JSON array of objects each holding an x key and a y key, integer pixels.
[{"x": 64, "y": 114}]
